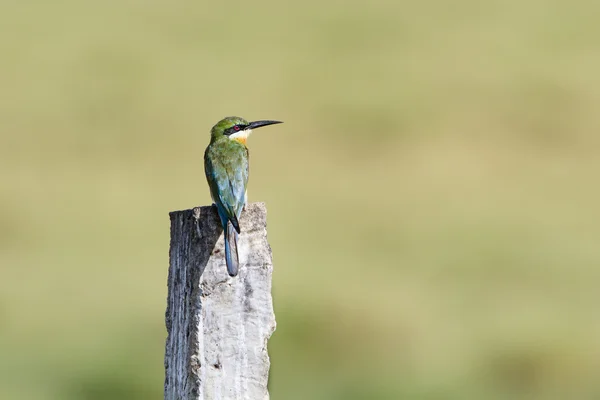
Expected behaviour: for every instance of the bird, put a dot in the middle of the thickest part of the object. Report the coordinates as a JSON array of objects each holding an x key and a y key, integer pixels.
[{"x": 226, "y": 166}]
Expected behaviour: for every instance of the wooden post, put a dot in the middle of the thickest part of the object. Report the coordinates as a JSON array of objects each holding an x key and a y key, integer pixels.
[{"x": 218, "y": 326}]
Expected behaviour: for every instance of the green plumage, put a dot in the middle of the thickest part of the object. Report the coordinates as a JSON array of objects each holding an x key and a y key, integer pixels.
[{"x": 227, "y": 161}]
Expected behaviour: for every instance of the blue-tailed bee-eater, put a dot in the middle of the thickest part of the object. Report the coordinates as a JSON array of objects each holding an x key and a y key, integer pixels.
[{"x": 226, "y": 168}]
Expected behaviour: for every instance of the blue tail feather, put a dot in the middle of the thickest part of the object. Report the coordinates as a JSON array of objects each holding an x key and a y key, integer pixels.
[{"x": 231, "y": 250}]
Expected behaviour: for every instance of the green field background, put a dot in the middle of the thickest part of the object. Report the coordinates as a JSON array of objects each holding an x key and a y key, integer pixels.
[{"x": 433, "y": 195}]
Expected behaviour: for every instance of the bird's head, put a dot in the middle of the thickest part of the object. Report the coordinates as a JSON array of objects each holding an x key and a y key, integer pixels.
[{"x": 237, "y": 128}]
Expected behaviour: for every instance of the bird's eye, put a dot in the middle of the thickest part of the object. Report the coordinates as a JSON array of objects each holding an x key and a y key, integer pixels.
[{"x": 236, "y": 128}]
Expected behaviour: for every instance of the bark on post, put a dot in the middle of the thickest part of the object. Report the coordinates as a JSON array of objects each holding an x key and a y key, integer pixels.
[{"x": 217, "y": 326}]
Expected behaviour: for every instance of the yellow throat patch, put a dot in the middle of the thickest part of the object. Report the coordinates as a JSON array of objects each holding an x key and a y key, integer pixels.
[{"x": 241, "y": 137}]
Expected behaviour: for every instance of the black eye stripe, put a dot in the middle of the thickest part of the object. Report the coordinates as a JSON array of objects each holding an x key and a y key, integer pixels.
[{"x": 232, "y": 130}]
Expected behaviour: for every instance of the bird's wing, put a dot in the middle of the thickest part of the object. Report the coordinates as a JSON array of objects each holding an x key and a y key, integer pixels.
[{"x": 227, "y": 178}]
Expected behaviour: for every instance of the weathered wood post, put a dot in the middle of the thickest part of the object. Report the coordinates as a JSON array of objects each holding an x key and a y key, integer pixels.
[{"x": 218, "y": 326}]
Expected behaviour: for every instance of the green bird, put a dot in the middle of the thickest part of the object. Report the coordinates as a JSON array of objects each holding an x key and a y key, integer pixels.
[{"x": 226, "y": 167}]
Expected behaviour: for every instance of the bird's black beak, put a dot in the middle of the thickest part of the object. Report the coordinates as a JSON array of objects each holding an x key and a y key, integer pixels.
[{"x": 258, "y": 124}]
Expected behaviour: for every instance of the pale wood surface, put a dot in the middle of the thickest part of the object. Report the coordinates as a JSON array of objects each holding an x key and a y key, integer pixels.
[{"x": 218, "y": 326}]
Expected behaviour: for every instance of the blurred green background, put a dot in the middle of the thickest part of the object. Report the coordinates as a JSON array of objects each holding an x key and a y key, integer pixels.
[{"x": 433, "y": 194}]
